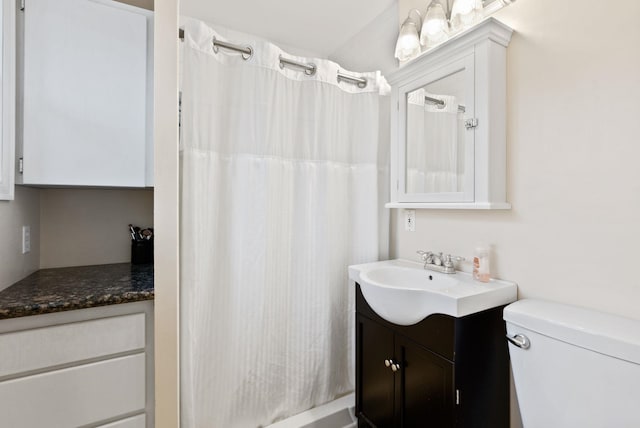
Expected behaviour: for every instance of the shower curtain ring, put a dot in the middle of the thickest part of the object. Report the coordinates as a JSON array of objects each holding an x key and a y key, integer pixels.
[
  {"x": 245, "y": 55},
  {"x": 311, "y": 70}
]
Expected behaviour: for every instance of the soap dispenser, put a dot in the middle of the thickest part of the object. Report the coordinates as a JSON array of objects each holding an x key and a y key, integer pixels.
[{"x": 481, "y": 270}]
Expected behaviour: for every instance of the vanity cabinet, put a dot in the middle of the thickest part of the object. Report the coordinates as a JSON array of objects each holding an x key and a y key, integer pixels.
[
  {"x": 89, "y": 367},
  {"x": 86, "y": 94},
  {"x": 449, "y": 372},
  {"x": 448, "y": 123}
]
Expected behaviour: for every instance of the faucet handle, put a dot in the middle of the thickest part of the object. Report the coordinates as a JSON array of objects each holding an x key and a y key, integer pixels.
[
  {"x": 438, "y": 259},
  {"x": 449, "y": 259},
  {"x": 424, "y": 255}
]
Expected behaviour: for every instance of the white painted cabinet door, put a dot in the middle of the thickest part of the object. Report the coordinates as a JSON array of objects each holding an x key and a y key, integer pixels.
[
  {"x": 50, "y": 347},
  {"x": 85, "y": 94},
  {"x": 7, "y": 97},
  {"x": 76, "y": 396}
]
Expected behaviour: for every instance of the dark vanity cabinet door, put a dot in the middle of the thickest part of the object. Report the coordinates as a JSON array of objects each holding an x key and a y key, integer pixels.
[
  {"x": 424, "y": 387},
  {"x": 375, "y": 380},
  {"x": 418, "y": 394},
  {"x": 451, "y": 373}
]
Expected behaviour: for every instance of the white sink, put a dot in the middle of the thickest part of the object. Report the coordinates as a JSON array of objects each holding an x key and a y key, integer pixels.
[{"x": 404, "y": 293}]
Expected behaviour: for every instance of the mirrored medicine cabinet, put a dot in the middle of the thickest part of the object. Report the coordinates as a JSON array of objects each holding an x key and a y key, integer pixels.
[{"x": 448, "y": 124}]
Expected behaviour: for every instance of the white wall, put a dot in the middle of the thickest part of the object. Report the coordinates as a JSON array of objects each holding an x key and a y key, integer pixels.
[
  {"x": 573, "y": 176},
  {"x": 145, "y": 4},
  {"x": 69, "y": 227},
  {"x": 89, "y": 226},
  {"x": 373, "y": 47},
  {"x": 24, "y": 210},
  {"x": 299, "y": 28}
]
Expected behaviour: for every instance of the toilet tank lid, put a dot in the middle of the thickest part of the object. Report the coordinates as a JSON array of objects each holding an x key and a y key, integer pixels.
[{"x": 601, "y": 332}]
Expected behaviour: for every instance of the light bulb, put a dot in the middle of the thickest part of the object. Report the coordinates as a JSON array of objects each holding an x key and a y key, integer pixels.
[
  {"x": 464, "y": 7},
  {"x": 408, "y": 44},
  {"x": 435, "y": 26},
  {"x": 465, "y": 12}
]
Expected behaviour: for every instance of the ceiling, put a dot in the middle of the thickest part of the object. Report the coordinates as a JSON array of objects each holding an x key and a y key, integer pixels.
[{"x": 317, "y": 27}]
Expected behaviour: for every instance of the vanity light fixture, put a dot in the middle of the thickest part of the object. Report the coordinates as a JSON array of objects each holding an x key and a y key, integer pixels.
[
  {"x": 436, "y": 25},
  {"x": 408, "y": 44},
  {"x": 443, "y": 19},
  {"x": 465, "y": 13}
]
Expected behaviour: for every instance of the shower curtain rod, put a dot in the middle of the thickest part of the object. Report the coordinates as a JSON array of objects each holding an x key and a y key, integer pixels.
[
  {"x": 309, "y": 69},
  {"x": 441, "y": 103}
]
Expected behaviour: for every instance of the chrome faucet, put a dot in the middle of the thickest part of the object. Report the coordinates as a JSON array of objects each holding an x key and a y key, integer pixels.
[{"x": 439, "y": 262}]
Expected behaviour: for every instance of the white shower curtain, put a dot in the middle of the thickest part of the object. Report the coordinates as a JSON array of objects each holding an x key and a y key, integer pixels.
[
  {"x": 282, "y": 189},
  {"x": 435, "y": 144}
]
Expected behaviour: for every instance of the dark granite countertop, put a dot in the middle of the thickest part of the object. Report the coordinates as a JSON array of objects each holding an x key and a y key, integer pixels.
[{"x": 65, "y": 289}]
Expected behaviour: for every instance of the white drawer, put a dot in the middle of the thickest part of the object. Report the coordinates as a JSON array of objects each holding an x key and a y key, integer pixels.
[
  {"x": 134, "y": 422},
  {"x": 75, "y": 396},
  {"x": 37, "y": 349}
]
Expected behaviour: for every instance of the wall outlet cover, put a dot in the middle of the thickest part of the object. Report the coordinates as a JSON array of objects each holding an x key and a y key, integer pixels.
[
  {"x": 410, "y": 220},
  {"x": 26, "y": 239}
]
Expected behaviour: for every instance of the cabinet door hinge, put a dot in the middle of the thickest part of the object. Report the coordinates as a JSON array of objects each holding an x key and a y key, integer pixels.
[
  {"x": 457, "y": 397},
  {"x": 21, "y": 165},
  {"x": 22, "y": 5},
  {"x": 471, "y": 123}
]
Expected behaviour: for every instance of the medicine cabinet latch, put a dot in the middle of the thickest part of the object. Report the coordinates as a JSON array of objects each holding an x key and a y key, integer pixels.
[{"x": 471, "y": 123}]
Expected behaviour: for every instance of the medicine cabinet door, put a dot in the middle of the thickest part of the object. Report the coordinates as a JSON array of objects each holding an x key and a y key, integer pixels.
[{"x": 436, "y": 135}]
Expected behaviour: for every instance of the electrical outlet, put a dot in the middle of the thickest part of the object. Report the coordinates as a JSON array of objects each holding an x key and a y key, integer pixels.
[
  {"x": 26, "y": 239},
  {"x": 410, "y": 220}
]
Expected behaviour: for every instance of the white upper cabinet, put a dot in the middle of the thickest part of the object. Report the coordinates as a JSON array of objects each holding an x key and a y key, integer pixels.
[
  {"x": 7, "y": 97},
  {"x": 448, "y": 124},
  {"x": 87, "y": 94}
]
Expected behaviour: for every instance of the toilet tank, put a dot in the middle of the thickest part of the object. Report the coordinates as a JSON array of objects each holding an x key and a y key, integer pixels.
[{"x": 581, "y": 369}]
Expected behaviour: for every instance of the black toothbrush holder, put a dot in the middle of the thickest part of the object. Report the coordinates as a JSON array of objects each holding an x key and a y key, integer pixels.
[{"x": 141, "y": 245}]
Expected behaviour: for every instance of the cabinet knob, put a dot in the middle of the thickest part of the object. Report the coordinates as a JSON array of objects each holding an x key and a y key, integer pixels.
[{"x": 392, "y": 364}]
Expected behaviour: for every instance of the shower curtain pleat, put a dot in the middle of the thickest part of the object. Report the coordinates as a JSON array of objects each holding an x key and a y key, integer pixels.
[
  {"x": 281, "y": 190},
  {"x": 435, "y": 159}
]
